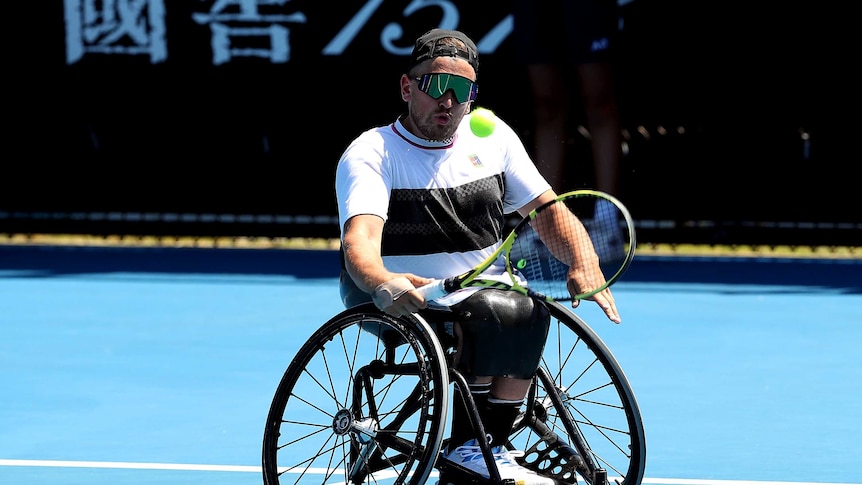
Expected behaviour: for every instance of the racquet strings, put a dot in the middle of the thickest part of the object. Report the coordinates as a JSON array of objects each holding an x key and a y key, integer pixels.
[{"x": 607, "y": 232}]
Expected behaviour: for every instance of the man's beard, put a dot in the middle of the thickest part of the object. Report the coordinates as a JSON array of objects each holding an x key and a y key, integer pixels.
[{"x": 434, "y": 132}]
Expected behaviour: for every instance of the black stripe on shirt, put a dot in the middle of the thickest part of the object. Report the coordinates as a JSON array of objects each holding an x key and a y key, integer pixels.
[{"x": 459, "y": 219}]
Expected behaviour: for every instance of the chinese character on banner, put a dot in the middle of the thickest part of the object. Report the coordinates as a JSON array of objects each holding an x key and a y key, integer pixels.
[
  {"x": 239, "y": 26},
  {"x": 129, "y": 27}
]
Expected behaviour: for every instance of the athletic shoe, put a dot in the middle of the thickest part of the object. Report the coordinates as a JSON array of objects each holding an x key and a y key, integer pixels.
[{"x": 469, "y": 457}]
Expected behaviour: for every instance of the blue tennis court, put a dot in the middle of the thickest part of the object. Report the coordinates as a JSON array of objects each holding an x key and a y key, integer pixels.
[{"x": 127, "y": 365}]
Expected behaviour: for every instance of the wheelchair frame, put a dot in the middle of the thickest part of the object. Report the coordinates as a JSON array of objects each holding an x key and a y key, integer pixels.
[{"x": 366, "y": 399}]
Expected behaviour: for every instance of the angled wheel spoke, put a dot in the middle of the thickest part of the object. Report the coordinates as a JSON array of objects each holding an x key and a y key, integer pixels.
[{"x": 363, "y": 400}]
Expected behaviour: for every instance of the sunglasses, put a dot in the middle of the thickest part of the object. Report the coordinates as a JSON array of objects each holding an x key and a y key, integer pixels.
[{"x": 436, "y": 85}]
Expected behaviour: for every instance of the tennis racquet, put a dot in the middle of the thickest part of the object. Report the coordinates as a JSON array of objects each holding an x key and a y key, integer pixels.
[{"x": 542, "y": 246}]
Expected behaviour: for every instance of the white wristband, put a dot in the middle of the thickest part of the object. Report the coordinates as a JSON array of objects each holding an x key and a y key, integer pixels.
[{"x": 386, "y": 293}]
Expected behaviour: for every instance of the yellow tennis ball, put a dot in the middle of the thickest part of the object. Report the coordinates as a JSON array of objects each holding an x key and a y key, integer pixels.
[{"x": 482, "y": 122}]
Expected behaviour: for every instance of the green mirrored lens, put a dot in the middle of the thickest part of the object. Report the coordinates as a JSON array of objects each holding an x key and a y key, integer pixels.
[{"x": 435, "y": 85}]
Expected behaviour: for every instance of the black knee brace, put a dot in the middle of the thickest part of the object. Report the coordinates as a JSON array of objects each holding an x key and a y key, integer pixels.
[{"x": 504, "y": 334}]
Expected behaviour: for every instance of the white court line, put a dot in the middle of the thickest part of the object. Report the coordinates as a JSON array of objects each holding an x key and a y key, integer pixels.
[
  {"x": 694, "y": 481},
  {"x": 257, "y": 469},
  {"x": 130, "y": 465}
]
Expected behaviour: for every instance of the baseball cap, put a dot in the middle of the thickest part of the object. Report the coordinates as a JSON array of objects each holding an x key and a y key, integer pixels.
[{"x": 428, "y": 46}]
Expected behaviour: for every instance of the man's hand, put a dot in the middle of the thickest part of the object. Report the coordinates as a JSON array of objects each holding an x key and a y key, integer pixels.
[
  {"x": 397, "y": 297},
  {"x": 581, "y": 280}
]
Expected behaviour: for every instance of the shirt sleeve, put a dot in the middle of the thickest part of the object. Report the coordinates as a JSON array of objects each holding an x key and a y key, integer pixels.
[{"x": 362, "y": 182}]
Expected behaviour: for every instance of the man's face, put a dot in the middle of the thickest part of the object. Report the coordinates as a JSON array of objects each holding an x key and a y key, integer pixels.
[{"x": 437, "y": 118}]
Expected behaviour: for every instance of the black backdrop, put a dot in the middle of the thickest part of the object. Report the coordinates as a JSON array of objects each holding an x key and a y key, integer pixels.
[{"x": 111, "y": 143}]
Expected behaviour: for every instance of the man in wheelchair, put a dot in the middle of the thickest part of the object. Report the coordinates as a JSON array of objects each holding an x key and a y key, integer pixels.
[{"x": 424, "y": 198}]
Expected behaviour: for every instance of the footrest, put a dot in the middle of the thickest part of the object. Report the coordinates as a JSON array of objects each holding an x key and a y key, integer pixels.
[{"x": 552, "y": 457}]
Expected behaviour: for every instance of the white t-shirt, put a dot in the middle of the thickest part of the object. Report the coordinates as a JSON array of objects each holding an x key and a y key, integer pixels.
[{"x": 443, "y": 203}]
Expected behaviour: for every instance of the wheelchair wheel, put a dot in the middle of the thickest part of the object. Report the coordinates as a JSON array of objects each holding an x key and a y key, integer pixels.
[
  {"x": 364, "y": 400},
  {"x": 583, "y": 421}
]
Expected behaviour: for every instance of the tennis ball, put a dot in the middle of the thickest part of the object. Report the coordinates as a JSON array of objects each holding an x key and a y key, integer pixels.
[{"x": 482, "y": 122}]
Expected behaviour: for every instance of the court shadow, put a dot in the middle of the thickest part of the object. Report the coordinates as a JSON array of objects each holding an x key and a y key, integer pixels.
[{"x": 47, "y": 261}]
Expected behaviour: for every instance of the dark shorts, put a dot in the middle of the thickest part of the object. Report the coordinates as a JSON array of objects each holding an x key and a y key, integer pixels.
[{"x": 564, "y": 31}]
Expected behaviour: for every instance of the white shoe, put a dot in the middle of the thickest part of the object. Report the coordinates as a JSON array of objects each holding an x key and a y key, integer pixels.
[{"x": 469, "y": 456}]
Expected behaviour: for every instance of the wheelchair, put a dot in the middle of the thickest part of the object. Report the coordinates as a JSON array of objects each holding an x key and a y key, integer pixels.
[{"x": 366, "y": 400}]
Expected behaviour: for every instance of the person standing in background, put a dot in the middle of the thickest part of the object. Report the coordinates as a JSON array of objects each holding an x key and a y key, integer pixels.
[{"x": 568, "y": 46}]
